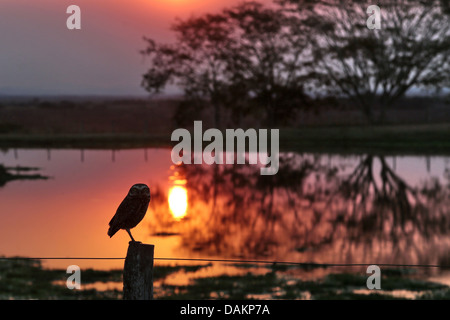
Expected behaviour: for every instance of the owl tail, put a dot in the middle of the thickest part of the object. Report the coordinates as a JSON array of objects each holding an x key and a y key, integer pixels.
[{"x": 112, "y": 231}]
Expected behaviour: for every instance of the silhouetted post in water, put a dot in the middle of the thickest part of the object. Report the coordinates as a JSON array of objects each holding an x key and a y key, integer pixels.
[{"x": 138, "y": 272}]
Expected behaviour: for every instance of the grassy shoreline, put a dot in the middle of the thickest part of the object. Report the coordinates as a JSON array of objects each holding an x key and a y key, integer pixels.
[
  {"x": 83, "y": 141},
  {"x": 28, "y": 279},
  {"x": 394, "y": 139},
  {"x": 413, "y": 139}
]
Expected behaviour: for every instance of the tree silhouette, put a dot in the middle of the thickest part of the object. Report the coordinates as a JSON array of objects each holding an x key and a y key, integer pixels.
[
  {"x": 375, "y": 68},
  {"x": 268, "y": 60},
  {"x": 195, "y": 62},
  {"x": 247, "y": 58}
]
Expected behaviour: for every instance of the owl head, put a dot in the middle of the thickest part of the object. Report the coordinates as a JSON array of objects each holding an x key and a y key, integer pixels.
[{"x": 139, "y": 190}]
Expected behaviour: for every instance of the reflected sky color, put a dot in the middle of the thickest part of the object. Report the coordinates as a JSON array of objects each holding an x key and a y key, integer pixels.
[
  {"x": 178, "y": 202},
  {"x": 68, "y": 215}
]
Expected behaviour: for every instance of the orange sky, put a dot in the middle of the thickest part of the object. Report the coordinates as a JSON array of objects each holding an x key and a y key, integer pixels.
[
  {"x": 40, "y": 56},
  {"x": 68, "y": 215}
]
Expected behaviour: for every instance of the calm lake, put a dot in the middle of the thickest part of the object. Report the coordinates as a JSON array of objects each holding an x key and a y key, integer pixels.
[{"x": 319, "y": 208}]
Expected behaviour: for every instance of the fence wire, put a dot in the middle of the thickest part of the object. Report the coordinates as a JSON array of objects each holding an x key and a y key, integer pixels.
[{"x": 272, "y": 262}]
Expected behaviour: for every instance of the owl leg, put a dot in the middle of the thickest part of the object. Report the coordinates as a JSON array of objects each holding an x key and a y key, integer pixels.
[{"x": 129, "y": 232}]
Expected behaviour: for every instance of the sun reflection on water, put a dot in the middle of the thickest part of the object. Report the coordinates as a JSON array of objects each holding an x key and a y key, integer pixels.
[{"x": 178, "y": 201}]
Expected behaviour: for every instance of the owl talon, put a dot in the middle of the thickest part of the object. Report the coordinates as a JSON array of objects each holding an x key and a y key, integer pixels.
[{"x": 129, "y": 232}]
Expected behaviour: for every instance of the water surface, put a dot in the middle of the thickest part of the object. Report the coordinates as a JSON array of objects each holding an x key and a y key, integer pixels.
[{"x": 318, "y": 208}]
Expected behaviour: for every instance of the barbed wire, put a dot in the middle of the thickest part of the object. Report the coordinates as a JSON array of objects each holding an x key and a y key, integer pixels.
[{"x": 272, "y": 262}]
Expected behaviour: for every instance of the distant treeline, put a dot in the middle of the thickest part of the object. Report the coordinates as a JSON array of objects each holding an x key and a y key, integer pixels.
[
  {"x": 271, "y": 62},
  {"x": 160, "y": 116}
]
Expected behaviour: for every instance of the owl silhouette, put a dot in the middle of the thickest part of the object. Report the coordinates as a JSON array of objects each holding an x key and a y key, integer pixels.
[{"x": 131, "y": 211}]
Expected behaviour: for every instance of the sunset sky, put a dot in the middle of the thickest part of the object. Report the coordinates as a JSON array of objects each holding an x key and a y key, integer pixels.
[
  {"x": 68, "y": 214},
  {"x": 40, "y": 56}
]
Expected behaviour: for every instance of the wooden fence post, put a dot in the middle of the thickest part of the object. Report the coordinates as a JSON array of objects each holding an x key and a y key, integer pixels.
[{"x": 138, "y": 272}]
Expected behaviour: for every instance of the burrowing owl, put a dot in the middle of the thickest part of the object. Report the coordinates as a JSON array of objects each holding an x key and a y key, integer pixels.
[{"x": 131, "y": 211}]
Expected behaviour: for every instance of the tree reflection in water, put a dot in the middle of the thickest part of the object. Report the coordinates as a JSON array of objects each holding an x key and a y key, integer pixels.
[
  {"x": 311, "y": 211},
  {"x": 8, "y": 174}
]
